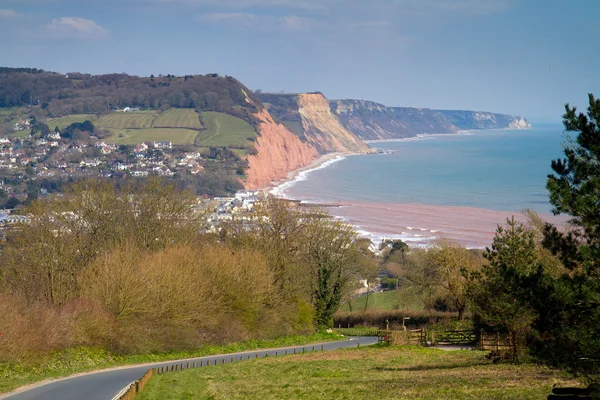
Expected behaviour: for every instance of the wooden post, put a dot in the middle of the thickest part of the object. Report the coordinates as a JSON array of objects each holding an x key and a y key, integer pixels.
[
  {"x": 222, "y": 361},
  {"x": 188, "y": 366},
  {"x": 322, "y": 348},
  {"x": 433, "y": 338},
  {"x": 313, "y": 348},
  {"x": 194, "y": 364},
  {"x": 232, "y": 359}
]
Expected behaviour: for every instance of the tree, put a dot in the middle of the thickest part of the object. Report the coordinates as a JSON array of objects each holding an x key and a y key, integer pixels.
[
  {"x": 569, "y": 331},
  {"x": 314, "y": 259},
  {"x": 68, "y": 232},
  {"x": 500, "y": 294}
]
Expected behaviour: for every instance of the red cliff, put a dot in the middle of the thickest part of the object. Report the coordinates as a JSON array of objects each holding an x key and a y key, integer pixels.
[{"x": 279, "y": 152}]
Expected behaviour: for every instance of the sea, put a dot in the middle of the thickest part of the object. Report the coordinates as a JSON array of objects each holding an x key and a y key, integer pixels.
[{"x": 455, "y": 186}]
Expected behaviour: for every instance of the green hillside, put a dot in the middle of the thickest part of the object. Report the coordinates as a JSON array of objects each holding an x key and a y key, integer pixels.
[
  {"x": 130, "y": 120},
  {"x": 63, "y": 122},
  {"x": 136, "y": 136},
  {"x": 225, "y": 130},
  {"x": 178, "y": 117}
]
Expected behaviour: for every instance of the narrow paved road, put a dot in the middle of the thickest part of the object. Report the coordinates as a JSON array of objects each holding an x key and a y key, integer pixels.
[{"x": 104, "y": 385}]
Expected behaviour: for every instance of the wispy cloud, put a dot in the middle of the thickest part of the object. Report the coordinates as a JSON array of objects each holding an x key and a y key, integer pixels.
[
  {"x": 77, "y": 27},
  {"x": 7, "y": 13},
  {"x": 267, "y": 23}
]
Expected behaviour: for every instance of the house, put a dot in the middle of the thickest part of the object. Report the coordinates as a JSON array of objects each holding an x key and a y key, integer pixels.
[
  {"x": 163, "y": 145},
  {"x": 131, "y": 109},
  {"x": 139, "y": 174},
  {"x": 140, "y": 148}
]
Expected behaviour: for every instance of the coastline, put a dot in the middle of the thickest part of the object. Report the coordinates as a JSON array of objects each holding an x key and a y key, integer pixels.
[{"x": 277, "y": 187}]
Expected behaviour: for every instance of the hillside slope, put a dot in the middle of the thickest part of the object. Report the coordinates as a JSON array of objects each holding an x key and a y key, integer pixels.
[{"x": 374, "y": 121}]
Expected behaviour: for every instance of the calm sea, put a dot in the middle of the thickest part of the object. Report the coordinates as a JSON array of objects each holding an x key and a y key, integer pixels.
[{"x": 500, "y": 170}]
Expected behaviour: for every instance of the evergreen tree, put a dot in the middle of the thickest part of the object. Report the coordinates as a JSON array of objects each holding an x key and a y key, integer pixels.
[{"x": 569, "y": 312}]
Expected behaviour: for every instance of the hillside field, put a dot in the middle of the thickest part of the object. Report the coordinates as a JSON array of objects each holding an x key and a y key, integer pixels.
[
  {"x": 367, "y": 373},
  {"x": 63, "y": 122},
  {"x": 136, "y": 136},
  {"x": 122, "y": 120},
  {"x": 177, "y": 118},
  {"x": 225, "y": 130}
]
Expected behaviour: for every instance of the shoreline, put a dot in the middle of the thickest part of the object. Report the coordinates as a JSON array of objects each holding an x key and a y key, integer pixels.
[
  {"x": 277, "y": 187},
  {"x": 424, "y": 136}
]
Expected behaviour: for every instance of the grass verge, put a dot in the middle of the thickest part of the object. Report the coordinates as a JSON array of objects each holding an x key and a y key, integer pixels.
[
  {"x": 84, "y": 359},
  {"x": 365, "y": 373}
]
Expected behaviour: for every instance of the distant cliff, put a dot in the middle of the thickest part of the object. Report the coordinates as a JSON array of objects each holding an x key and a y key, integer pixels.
[
  {"x": 374, "y": 121},
  {"x": 310, "y": 117}
]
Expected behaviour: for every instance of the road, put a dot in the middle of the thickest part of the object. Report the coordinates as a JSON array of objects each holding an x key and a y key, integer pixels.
[{"x": 104, "y": 385}]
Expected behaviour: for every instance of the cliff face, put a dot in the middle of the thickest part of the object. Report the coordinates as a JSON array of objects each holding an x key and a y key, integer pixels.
[
  {"x": 279, "y": 151},
  {"x": 375, "y": 121},
  {"x": 323, "y": 130},
  {"x": 465, "y": 120},
  {"x": 309, "y": 116}
]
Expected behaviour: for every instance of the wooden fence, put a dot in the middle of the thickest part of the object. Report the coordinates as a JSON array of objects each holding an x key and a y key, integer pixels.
[
  {"x": 413, "y": 336},
  {"x": 457, "y": 338}
]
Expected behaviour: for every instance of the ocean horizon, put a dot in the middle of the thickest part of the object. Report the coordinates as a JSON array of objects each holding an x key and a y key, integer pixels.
[{"x": 459, "y": 186}]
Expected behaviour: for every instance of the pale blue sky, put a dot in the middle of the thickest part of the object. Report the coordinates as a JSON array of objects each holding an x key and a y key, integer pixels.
[{"x": 525, "y": 57}]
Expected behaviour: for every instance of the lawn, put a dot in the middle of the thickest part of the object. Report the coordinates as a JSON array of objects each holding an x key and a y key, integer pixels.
[
  {"x": 135, "y": 136},
  {"x": 123, "y": 120},
  {"x": 365, "y": 373},
  {"x": 178, "y": 118},
  {"x": 225, "y": 130},
  {"x": 63, "y": 122},
  {"x": 402, "y": 299}
]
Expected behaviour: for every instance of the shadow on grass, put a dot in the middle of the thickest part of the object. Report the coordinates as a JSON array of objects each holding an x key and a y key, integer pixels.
[{"x": 431, "y": 367}]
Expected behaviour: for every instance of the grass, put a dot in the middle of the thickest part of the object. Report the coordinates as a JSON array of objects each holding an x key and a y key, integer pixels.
[
  {"x": 135, "y": 136},
  {"x": 84, "y": 359},
  {"x": 402, "y": 299},
  {"x": 365, "y": 373},
  {"x": 63, "y": 122},
  {"x": 178, "y": 118},
  {"x": 20, "y": 134},
  {"x": 295, "y": 127},
  {"x": 225, "y": 130},
  {"x": 123, "y": 120}
]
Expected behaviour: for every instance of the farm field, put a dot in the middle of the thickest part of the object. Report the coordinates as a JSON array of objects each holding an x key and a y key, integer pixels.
[
  {"x": 177, "y": 118},
  {"x": 63, "y": 122},
  {"x": 135, "y": 136},
  {"x": 402, "y": 299},
  {"x": 366, "y": 373},
  {"x": 225, "y": 130},
  {"x": 121, "y": 120}
]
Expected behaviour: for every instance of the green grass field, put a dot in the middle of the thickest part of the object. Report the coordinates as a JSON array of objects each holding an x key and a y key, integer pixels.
[
  {"x": 366, "y": 373},
  {"x": 63, "y": 122},
  {"x": 178, "y": 118},
  {"x": 122, "y": 120},
  {"x": 82, "y": 359},
  {"x": 225, "y": 130},
  {"x": 402, "y": 299},
  {"x": 135, "y": 136}
]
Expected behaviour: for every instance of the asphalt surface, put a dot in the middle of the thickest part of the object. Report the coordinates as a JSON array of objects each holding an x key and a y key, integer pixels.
[{"x": 104, "y": 385}]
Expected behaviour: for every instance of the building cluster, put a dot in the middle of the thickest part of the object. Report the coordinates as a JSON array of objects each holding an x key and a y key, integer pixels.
[{"x": 51, "y": 156}]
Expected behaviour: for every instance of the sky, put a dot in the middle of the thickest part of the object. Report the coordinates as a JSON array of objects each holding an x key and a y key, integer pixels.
[{"x": 520, "y": 57}]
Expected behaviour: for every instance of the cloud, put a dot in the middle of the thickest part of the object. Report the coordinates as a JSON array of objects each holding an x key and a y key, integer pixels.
[
  {"x": 66, "y": 27},
  {"x": 7, "y": 13},
  {"x": 258, "y": 22}
]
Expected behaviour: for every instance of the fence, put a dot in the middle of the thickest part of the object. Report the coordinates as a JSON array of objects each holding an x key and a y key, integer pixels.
[
  {"x": 458, "y": 338},
  {"x": 131, "y": 390},
  {"x": 413, "y": 336},
  {"x": 496, "y": 341}
]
